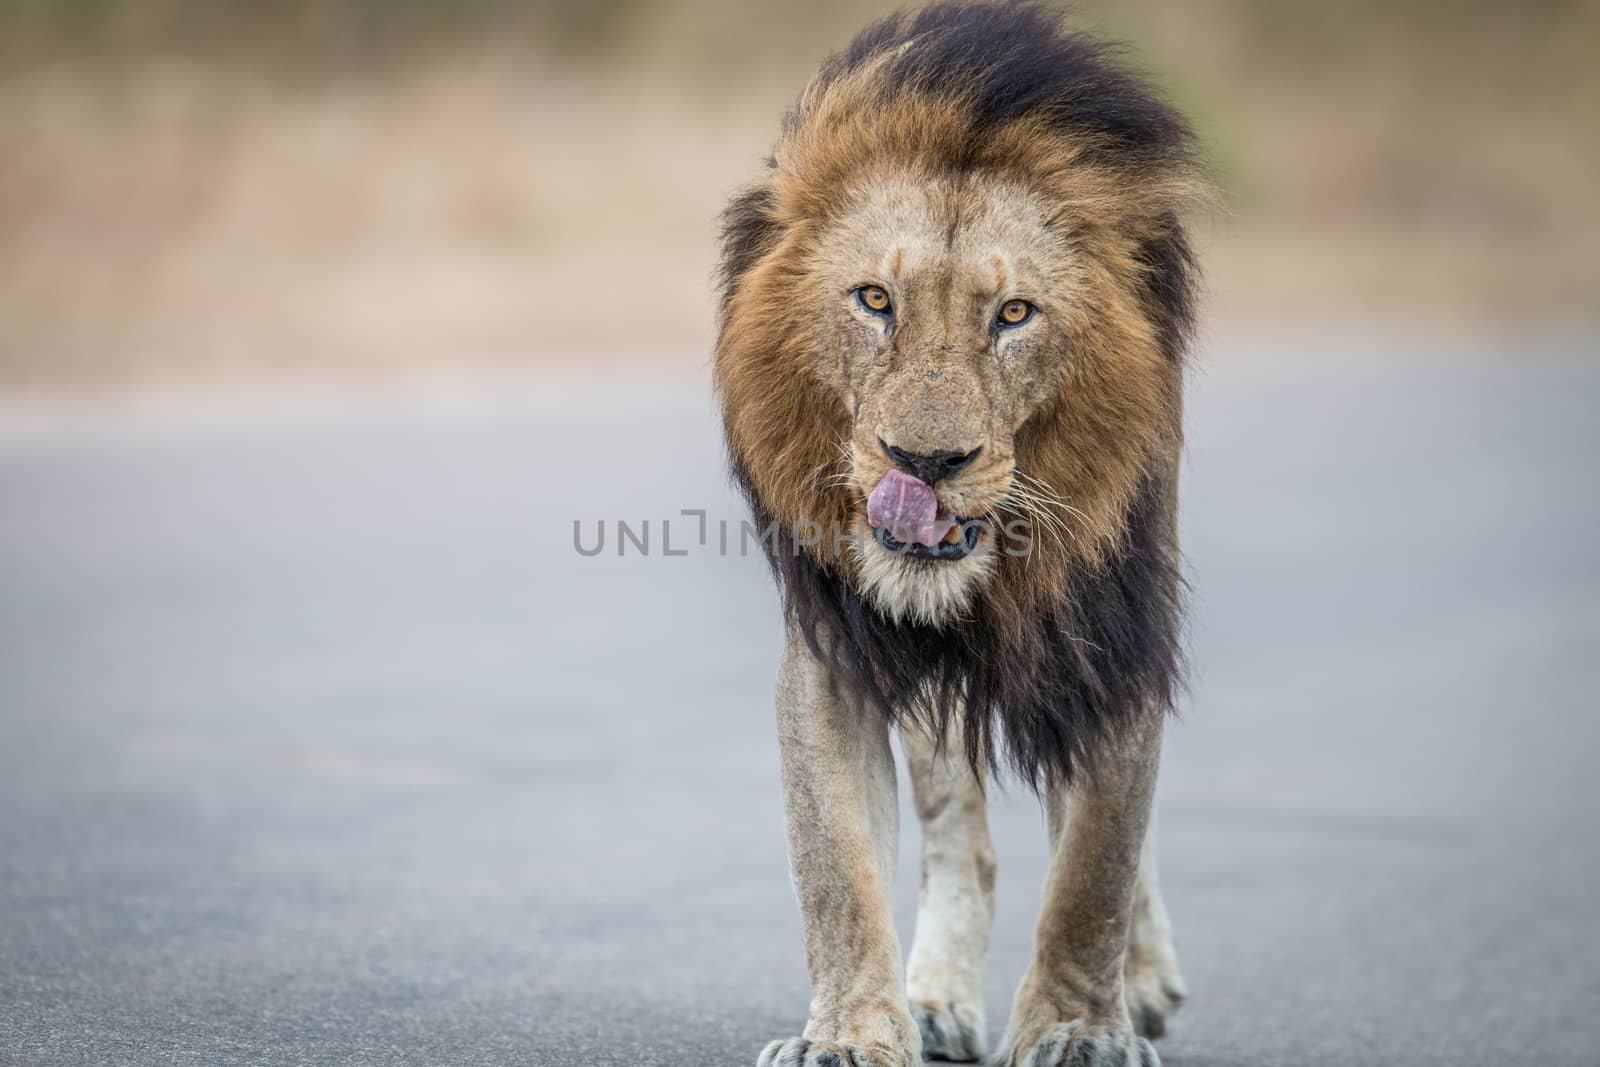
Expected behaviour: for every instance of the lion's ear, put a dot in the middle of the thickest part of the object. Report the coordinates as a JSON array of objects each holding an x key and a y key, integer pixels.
[
  {"x": 1170, "y": 286},
  {"x": 749, "y": 231}
]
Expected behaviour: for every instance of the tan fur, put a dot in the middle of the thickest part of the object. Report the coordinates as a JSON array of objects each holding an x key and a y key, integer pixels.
[
  {"x": 885, "y": 187},
  {"x": 843, "y": 824},
  {"x": 1103, "y": 957},
  {"x": 944, "y": 977},
  {"x": 1154, "y": 987},
  {"x": 1073, "y": 993}
]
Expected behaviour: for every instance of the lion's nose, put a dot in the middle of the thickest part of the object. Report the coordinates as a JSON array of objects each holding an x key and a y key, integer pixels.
[{"x": 930, "y": 467}]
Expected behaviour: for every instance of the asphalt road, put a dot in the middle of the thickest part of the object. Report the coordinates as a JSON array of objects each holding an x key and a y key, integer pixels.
[{"x": 319, "y": 743}]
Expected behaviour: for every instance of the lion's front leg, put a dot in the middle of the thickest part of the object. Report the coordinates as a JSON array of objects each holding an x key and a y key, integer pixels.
[
  {"x": 1070, "y": 1007},
  {"x": 944, "y": 977},
  {"x": 842, "y": 818},
  {"x": 1155, "y": 988}
]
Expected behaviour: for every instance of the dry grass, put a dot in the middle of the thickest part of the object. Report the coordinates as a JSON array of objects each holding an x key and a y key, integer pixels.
[
  {"x": 183, "y": 227},
  {"x": 184, "y": 218}
]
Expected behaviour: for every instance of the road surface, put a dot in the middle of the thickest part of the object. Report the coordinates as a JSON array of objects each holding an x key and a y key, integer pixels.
[{"x": 320, "y": 743}]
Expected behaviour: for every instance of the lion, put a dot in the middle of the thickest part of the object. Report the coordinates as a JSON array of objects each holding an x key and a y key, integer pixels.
[{"x": 957, "y": 299}]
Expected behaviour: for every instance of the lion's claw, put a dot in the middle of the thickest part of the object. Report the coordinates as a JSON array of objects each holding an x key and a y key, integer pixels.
[
  {"x": 1151, "y": 1006},
  {"x": 1155, "y": 991},
  {"x": 1075, "y": 1044},
  {"x": 950, "y": 1031},
  {"x": 802, "y": 1052}
]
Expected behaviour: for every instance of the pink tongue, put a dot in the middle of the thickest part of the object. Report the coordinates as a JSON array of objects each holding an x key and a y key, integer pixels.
[{"x": 908, "y": 509}]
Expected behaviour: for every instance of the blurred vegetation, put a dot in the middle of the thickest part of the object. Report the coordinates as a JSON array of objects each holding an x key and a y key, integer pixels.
[
  {"x": 1552, "y": 44},
  {"x": 199, "y": 187},
  {"x": 336, "y": 39}
]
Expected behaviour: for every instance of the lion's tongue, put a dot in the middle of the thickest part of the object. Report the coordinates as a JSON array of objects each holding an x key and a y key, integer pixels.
[{"x": 908, "y": 509}]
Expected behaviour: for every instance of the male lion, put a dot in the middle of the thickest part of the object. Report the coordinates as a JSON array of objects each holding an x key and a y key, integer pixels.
[{"x": 960, "y": 292}]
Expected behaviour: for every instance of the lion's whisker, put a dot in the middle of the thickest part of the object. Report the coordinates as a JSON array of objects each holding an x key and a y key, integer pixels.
[
  {"x": 1044, "y": 494},
  {"x": 993, "y": 515},
  {"x": 1029, "y": 511},
  {"x": 1037, "y": 503},
  {"x": 1047, "y": 492}
]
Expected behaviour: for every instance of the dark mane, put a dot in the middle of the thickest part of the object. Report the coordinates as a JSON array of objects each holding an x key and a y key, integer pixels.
[
  {"x": 1034, "y": 693},
  {"x": 1007, "y": 60}
]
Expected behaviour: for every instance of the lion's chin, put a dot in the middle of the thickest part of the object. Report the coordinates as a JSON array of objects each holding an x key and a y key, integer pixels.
[{"x": 913, "y": 589}]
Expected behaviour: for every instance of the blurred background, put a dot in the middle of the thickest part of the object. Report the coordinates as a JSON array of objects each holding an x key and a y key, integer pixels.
[
  {"x": 325, "y": 330},
  {"x": 204, "y": 190}
]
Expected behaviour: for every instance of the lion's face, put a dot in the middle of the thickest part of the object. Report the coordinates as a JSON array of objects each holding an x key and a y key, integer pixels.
[
  {"x": 922, "y": 328},
  {"x": 945, "y": 313},
  {"x": 943, "y": 321}
]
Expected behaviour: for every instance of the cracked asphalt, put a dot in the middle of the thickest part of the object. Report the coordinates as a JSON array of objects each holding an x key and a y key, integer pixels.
[{"x": 320, "y": 743}]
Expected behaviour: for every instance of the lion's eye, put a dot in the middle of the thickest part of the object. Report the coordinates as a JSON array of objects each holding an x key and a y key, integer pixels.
[
  {"x": 874, "y": 299},
  {"x": 1014, "y": 313}
]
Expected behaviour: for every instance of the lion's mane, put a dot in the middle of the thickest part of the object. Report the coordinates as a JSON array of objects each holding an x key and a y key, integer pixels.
[{"x": 1062, "y": 645}]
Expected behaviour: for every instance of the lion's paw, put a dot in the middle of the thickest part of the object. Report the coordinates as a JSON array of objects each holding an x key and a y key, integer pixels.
[
  {"x": 950, "y": 1031},
  {"x": 1153, "y": 995},
  {"x": 1077, "y": 1044},
  {"x": 801, "y": 1052}
]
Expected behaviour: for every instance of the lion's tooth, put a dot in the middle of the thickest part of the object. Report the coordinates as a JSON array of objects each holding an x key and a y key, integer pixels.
[{"x": 953, "y": 534}]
